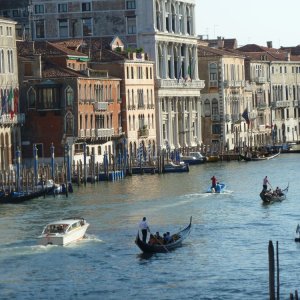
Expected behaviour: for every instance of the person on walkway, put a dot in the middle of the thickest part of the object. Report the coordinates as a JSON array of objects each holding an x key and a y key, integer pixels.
[
  {"x": 265, "y": 183},
  {"x": 213, "y": 182},
  {"x": 143, "y": 225}
]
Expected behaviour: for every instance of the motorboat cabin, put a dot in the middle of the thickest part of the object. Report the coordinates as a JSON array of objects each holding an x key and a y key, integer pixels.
[{"x": 63, "y": 232}]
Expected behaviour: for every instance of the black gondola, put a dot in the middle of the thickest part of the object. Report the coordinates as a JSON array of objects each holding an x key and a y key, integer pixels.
[
  {"x": 270, "y": 197},
  {"x": 258, "y": 157},
  {"x": 157, "y": 248}
]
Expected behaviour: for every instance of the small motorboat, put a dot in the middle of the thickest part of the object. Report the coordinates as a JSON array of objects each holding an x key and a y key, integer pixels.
[
  {"x": 172, "y": 167},
  {"x": 176, "y": 241},
  {"x": 63, "y": 232},
  {"x": 220, "y": 187},
  {"x": 194, "y": 158}
]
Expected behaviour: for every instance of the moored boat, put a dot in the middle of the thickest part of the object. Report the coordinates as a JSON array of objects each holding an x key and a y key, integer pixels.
[
  {"x": 269, "y": 196},
  {"x": 176, "y": 168},
  {"x": 176, "y": 242},
  {"x": 63, "y": 232},
  {"x": 193, "y": 158}
]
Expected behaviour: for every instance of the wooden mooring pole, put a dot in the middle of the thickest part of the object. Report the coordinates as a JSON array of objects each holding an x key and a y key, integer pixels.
[{"x": 271, "y": 271}]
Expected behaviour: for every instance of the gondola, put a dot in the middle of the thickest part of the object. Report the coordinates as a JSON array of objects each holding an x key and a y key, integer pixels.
[
  {"x": 258, "y": 157},
  {"x": 181, "y": 235},
  {"x": 270, "y": 197}
]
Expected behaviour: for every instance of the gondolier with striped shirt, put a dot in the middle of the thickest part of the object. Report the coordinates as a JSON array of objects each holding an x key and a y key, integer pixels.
[{"x": 143, "y": 225}]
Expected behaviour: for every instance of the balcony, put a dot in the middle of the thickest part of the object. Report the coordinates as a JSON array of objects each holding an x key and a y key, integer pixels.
[
  {"x": 261, "y": 106},
  {"x": 234, "y": 83},
  {"x": 180, "y": 83},
  {"x": 260, "y": 79},
  {"x": 7, "y": 120},
  {"x": 100, "y": 106},
  {"x": 277, "y": 104},
  {"x": 104, "y": 132},
  {"x": 236, "y": 118},
  {"x": 215, "y": 118},
  {"x": 143, "y": 132}
]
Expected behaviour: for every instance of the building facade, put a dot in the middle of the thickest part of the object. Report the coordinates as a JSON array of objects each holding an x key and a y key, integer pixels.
[
  {"x": 164, "y": 29},
  {"x": 10, "y": 118},
  {"x": 67, "y": 103}
]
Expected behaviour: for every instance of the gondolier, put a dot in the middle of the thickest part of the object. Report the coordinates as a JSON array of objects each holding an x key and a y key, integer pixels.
[
  {"x": 143, "y": 225},
  {"x": 265, "y": 183}
]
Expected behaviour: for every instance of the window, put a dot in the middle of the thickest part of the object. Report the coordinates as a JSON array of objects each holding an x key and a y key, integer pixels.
[
  {"x": 31, "y": 98},
  {"x": 40, "y": 29},
  {"x": 69, "y": 124},
  {"x": 215, "y": 107},
  {"x": 48, "y": 98},
  {"x": 10, "y": 61},
  {"x": 87, "y": 27},
  {"x": 140, "y": 72},
  {"x": 63, "y": 28},
  {"x": 69, "y": 96},
  {"x": 28, "y": 69},
  {"x": 131, "y": 25},
  {"x": 216, "y": 129},
  {"x": 39, "y": 9},
  {"x": 16, "y": 13},
  {"x": 207, "y": 108},
  {"x": 130, "y": 4},
  {"x": 2, "y": 66},
  {"x": 62, "y": 7},
  {"x": 86, "y": 6}
]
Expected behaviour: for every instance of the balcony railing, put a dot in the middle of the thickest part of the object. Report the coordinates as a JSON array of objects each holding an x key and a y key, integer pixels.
[
  {"x": 176, "y": 83},
  {"x": 276, "y": 104},
  {"x": 100, "y": 106},
  {"x": 104, "y": 132},
  {"x": 260, "y": 79},
  {"x": 234, "y": 83},
  {"x": 96, "y": 133},
  {"x": 261, "y": 106},
  {"x": 143, "y": 132},
  {"x": 215, "y": 118}
]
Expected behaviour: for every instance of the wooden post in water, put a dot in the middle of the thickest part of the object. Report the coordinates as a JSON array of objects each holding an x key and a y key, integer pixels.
[
  {"x": 277, "y": 268},
  {"x": 271, "y": 271}
]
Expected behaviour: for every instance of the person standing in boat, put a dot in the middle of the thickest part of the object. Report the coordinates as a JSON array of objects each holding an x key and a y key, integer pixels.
[
  {"x": 143, "y": 225},
  {"x": 265, "y": 183},
  {"x": 213, "y": 182}
]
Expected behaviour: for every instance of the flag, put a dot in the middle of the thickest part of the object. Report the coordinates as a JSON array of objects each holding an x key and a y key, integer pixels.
[
  {"x": 245, "y": 115},
  {"x": 10, "y": 103},
  {"x": 16, "y": 100},
  {"x": 4, "y": 104}
]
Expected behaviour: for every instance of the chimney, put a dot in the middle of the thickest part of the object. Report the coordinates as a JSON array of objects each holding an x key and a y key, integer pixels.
[
  {"x": 269, "y": 44},
  {"x": 220, "y": 42},
  {"x": 288, "y": 56}
]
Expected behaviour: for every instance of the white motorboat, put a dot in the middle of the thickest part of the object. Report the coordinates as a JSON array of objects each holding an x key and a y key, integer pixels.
[
  {"x": 194, "y": 158},
  {"x": 63, "y": 232}
]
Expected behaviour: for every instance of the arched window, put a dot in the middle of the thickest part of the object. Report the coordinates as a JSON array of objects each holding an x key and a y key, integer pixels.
[
  {"x": 31, "y": 98},
  {"x": 69, "y": 96},
  {"x": 207, "y": 108},
  {"x": 69, "y": 123}
]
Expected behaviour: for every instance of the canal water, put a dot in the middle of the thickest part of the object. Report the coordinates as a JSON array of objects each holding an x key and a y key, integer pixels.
[{"x": 225, "y": 256}]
